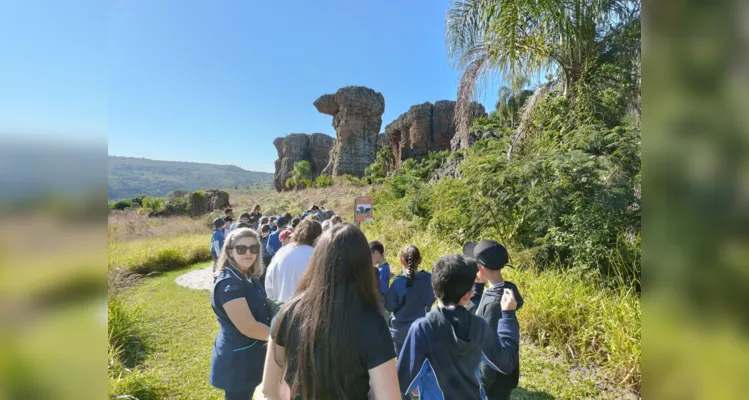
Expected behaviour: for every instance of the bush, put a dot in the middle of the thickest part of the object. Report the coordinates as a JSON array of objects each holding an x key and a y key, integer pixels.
[
  {"x": 351, "y": 180},
  {"x": 322, "y": 181},
  {"x": 121, "y": 205}
]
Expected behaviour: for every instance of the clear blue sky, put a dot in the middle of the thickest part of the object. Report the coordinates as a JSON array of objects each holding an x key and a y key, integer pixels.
[{"x": 213, "y": 81}]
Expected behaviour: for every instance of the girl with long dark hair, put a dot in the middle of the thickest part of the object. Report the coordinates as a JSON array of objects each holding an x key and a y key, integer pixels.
[{"x": 330, "y": 337}]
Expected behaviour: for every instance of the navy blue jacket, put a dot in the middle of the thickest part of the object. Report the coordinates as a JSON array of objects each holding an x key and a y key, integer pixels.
[
  {"x": 498, "y": 386},
  {"x": 444, "y": 350},
  {"x": 408, "y": 303},
  {"x": 237, "y": 361}
]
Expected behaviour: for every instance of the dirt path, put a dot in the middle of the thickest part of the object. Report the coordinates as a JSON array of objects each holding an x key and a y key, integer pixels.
[{"x": 201, "y": 279}]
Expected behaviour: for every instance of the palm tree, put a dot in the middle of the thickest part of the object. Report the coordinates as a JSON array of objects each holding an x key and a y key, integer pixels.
[
  {"x": 570, "y": 39},
  {"x": 300, "y": 176}
]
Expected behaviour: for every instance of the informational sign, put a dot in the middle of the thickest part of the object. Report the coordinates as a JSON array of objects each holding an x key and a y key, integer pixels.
[{"x": 363, "y": 209}]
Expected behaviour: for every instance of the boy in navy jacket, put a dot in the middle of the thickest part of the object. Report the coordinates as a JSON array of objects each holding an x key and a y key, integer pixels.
[
  {"x": 491, "y": 258},
  {"x": 443, "y": 351}
]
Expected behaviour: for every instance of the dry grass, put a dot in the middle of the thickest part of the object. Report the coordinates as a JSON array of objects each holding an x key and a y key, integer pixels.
[{"x": 129, "y": 225}]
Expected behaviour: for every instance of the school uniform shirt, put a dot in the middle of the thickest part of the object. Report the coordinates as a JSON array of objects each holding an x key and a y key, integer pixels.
[
  {"x": 217, "y": 241},
  {"x": 443, "y": 352},
  {"x": 237, "y": 361},
  {"x": 285, "y": 271},
  {"x": 371, "y": 345},
  {"x": 408, "y": 303},
  {"x": 497, "y": 385},
  {"x": 274, "y": 242}
]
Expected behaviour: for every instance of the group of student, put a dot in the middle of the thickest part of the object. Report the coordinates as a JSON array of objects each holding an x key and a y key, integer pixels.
[{"x": 315, "y": 328}]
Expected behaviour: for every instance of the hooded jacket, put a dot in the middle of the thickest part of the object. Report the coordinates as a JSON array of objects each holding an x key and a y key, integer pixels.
[
  {"x": 498, "y": 385},
  {"x": 443, "y": 351}
]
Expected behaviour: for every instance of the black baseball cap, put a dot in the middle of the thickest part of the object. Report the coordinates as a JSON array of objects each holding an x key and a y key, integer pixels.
[{"x": 489, "y": 253}]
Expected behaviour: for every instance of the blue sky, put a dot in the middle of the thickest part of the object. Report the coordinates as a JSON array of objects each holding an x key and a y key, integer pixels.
[{"x": 216, "y": 82}]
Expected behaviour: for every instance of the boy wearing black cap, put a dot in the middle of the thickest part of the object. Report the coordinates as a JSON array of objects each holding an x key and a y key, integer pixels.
[{"x": 492, "y": 257}]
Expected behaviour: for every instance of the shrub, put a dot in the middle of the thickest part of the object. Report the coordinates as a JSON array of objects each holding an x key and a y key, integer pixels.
[
  {"x": 323, "y": 181},
  {"x": 351, "y": 180},
  {"x": 121, "y": 205}
]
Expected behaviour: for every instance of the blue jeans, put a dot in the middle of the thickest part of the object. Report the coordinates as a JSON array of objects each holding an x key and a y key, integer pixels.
[{"x": 238, "y": 395}]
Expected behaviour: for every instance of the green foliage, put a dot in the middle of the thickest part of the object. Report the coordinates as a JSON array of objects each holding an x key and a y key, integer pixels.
[
  {"x": 351, "y": 180},
  {"x": 121, "y": 205},
  {"x": 383, "y": 165},
  {"x": 300, "y": 176},
  {"x": 322, "y": 181},
  {"x": 151, "y": 204}
]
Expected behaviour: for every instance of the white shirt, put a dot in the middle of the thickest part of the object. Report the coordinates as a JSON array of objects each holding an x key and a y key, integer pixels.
[{"x": 285, "y": 271}]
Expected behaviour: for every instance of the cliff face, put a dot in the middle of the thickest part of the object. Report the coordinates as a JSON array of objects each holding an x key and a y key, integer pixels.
[
  {"x": 314, "y": 148},
  {"x": 424, "y": 128}
]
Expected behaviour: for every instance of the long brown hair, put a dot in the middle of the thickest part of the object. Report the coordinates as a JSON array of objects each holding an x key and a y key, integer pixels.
[
  {"x": 412, "y": 259},
  {"x": 336, "y": 286}
]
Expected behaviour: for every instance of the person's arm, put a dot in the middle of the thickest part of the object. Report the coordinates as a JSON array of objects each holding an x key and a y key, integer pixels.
[
  {"x": 384, "y": 278},
  {"x": 393, "y": 299},
  {"x": 273, "y": 373},
  {"x": 501, "y": 351},
  {"x": 240, "y": 315},
  {"x": 518, "y": 297},
  {"x": 384, "y": 381},
  {"x": 269, "y": 281}
]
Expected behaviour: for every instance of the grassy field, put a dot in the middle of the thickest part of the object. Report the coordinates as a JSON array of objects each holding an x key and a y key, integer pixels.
[{"x": 179, "y": 329}]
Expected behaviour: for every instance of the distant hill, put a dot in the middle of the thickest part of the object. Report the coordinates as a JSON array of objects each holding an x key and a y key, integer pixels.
[{"x": 129, "y": 177}]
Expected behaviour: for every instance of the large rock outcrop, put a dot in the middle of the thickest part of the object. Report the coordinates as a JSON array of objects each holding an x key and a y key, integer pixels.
[
  {"x": 357, "y": 119},
  {"x": 314, "y": 148},
  {"x": 202, "y": 202},
  {"x": 424, "y": 128}
]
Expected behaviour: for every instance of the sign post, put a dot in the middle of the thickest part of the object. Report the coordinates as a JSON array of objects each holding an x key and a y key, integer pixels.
[{"x": 362, "y": 209}]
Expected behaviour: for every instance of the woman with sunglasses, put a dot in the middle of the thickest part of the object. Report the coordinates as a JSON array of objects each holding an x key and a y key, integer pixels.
[{"x": 243, "y": 314}]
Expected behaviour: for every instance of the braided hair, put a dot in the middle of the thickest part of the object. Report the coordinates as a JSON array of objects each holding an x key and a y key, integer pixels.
[{"x": 412, "y": 259}]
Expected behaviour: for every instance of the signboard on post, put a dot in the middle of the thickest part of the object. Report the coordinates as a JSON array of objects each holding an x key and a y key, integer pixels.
[{"x": 363, "y": 209}]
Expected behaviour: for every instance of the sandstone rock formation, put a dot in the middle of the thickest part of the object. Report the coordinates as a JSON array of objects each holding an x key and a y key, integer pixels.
[
  {"x": 205, "y": 201},
  {"x": 424, "y": 128},
  {"x": 314, "y": 148},
  {"x": 357, "y": 119}
]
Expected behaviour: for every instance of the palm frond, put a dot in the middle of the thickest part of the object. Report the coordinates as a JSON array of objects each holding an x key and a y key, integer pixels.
[{"x": 525, "y": 118}]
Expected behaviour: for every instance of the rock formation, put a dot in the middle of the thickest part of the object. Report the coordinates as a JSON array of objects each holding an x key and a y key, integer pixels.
[
  {"x": 314, "y": 148},
  {"x": 424, "y": 128},
  {"x": 202, "y": 202},
  {"x": 357, "y": 119}
]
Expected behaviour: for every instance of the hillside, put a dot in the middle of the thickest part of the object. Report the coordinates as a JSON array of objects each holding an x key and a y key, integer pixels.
[{"x": 129, "y": 177}]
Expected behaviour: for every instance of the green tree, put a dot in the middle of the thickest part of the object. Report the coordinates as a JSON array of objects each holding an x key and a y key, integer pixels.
[
  {"x": 570, "y": 40},
  {"x": 300, "y": 176}
]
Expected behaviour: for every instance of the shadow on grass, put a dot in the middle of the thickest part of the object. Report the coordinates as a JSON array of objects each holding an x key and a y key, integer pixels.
[{"x": 524, "y": 394}]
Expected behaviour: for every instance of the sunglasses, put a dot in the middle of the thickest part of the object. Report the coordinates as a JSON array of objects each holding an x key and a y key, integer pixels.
[{"x": 242, "y": 249}]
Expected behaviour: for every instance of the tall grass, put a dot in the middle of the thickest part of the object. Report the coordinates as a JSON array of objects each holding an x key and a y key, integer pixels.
[
  {"x": 126, "y": 349},
  {"x": 587, "y": 322},
  {"x": 159, "y": 254},
  {"x": 129, "y": 225}
]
